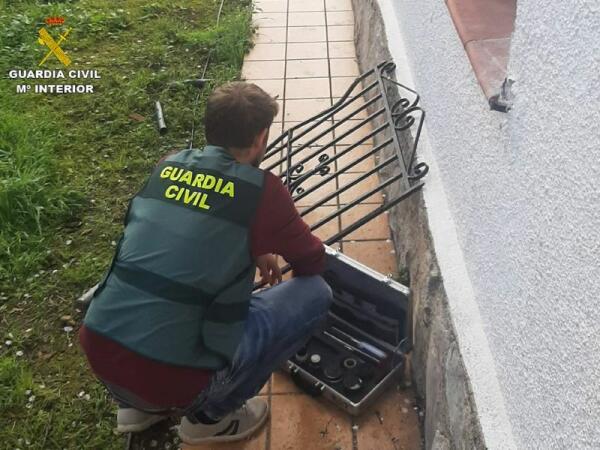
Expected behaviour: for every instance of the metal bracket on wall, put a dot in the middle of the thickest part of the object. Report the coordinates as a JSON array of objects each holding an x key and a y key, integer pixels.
[{"x": 374, "y": 127}]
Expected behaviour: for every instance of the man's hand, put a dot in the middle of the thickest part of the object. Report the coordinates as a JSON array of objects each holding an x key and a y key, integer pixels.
[{"x": 269, "y": 269}]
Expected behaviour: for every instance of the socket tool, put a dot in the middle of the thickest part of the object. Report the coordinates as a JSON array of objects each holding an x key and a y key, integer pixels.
[
  {"x": 315, "y": 361},
  {"x": 349, "y": 363},
  {"x": 352, "y": 382},
  {"x": 302, "y": 354}
]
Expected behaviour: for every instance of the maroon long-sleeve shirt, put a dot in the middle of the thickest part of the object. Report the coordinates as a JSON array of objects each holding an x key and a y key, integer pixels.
[{"x": 277, "y": 228}]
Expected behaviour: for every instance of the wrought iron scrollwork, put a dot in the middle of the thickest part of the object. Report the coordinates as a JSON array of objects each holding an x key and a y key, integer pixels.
[
  {"x": 404, "y": 113},
  {"x": 298, "y": 177},
  {"x": 405, "y": 119},
  {"x": 418, "y": 171},
  {"x": 387, "y": 66},
  {"x": 324, "y": 168}
]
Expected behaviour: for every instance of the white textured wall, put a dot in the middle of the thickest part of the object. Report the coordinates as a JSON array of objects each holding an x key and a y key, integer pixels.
[{"x": 523, "y": 190}]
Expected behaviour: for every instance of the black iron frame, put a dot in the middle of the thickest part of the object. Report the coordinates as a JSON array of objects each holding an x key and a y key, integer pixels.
[{"x": 387, "y": 122}]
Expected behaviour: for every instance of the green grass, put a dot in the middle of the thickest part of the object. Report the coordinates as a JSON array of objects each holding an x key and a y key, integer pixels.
[
  {"x": 68, "y": 166},
  {"x": 15, "y": 382}
]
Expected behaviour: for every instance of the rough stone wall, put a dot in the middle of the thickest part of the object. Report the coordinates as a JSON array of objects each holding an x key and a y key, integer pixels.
[{"x": 437, "y": 368}]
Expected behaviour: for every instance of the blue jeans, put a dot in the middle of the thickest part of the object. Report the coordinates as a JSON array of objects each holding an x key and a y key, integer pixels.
[{"x": 280, "y": 321}]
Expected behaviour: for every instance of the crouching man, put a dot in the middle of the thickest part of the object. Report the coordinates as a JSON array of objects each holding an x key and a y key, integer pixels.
[{"x": 174, "y": 327}]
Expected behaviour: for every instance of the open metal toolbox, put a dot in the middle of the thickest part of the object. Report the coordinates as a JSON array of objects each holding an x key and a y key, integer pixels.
[
  {"x": 358, "y": 352},
  {"x": 315, "y": 159}
]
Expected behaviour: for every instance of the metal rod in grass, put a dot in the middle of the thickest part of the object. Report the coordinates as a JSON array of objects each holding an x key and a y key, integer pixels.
[{"x": 195, "y": 105}]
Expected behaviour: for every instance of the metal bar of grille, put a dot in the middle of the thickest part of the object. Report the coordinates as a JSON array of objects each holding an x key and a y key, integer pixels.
[
  {"x": 356, "y": 201},
  {"x": 323, "y": 115},
  {"x": 328, "y": 130},
  {"x": 343, "y": 169},
  {"x": 370, "y": 216},
  {"x": 344, "y": 188},
  {"x": 335, "y": 108},
  {"x": 299, "y": 165}
]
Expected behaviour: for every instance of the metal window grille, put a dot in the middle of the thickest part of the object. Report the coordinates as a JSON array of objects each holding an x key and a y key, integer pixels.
[{"x": 375, "y": 124}]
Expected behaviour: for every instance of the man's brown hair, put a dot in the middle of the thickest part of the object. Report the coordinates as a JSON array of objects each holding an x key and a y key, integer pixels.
[{"x": 236, "y": 112}]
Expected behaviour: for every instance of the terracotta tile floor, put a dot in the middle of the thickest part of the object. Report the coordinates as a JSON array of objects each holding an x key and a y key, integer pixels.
[{"x": 304, "y": 53}]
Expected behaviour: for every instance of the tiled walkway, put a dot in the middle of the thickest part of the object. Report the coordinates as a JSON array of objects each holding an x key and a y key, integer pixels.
[{"x": 304, "y": 53}]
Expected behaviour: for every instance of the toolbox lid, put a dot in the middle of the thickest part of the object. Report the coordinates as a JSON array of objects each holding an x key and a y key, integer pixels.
[{"x": 375, "y": 303}]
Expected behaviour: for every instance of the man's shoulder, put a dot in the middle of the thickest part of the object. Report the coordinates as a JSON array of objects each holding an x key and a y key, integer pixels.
[
  {"x": 273, "y": 181},
  {"x": 269, "y": 176}
]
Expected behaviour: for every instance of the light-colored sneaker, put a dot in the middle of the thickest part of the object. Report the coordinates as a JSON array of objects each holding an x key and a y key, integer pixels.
[
  {"x": 233, "y": 427},
  {"x": 131, "y": 420}
]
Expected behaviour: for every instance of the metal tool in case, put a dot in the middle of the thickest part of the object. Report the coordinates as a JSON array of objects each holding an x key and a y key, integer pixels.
[{"x": 359, "y": 351}]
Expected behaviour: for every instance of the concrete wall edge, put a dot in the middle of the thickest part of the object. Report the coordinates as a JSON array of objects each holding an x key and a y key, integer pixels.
[{"x": 464, "y": 311}]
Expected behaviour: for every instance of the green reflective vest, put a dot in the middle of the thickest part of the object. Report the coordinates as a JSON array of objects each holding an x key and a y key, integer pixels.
[{"x": 179, "y": 286}]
